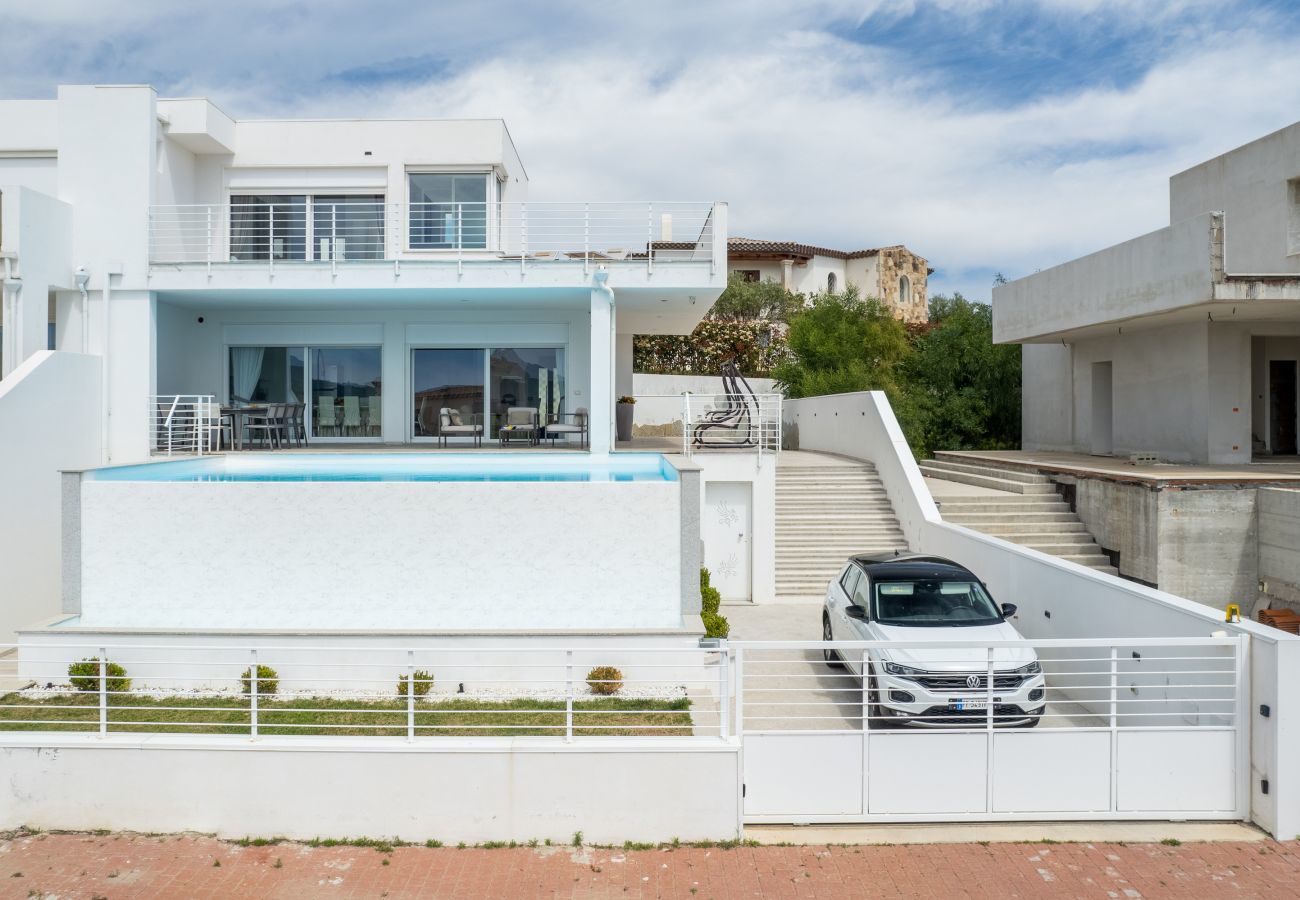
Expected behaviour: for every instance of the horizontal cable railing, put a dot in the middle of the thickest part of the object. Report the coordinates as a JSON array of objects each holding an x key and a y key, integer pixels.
[
  {"x": 300, "y": 229},
  {"x": 365, "y": 691},
  {"x": 1056, "y": 684},
  {"x": 704, "y": 422},
  {"x": 184, "y": 423}
]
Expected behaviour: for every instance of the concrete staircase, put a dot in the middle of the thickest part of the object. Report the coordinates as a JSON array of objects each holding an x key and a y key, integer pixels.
[
  {"x": 824, "y": 515},
  {"x": 1025, "y": 510}
]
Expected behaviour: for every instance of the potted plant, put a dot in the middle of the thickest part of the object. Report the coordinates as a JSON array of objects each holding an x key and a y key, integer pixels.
[{"x": 623, "y": 417}]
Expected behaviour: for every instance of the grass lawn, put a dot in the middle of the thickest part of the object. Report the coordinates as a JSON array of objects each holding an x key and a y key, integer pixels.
[{"x": 319, "y": 715}]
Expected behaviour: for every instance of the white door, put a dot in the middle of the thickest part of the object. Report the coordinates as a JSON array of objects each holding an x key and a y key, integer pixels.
[{"x": 726, "y": 529}]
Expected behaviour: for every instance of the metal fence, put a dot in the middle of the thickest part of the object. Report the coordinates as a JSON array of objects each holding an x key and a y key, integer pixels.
[
  {"x": 365, "y": 690},
  {"x": 184, "y": 423},
  {"x": 303, "y": 229},
  {"x": 704, "y": 422}
]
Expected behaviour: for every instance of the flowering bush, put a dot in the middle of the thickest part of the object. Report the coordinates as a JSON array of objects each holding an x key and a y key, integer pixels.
[{"x": 705, "y": 350}]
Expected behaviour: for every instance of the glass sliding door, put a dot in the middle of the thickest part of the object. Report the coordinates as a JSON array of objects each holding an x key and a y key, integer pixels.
[
  {"x": 347, "y": 392},
  {"x": 531, "y": 378},
  {"x": 450, "y": 379},
  {"x": 268, "y": 227},
  {"x": 348, "y": 227},
  {"x": 266, "y": 375}
]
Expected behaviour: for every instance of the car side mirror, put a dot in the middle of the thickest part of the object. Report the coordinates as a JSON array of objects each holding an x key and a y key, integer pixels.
[
  {"x": 1008, "y": 610},
  {"x": 856, "y": 612}
]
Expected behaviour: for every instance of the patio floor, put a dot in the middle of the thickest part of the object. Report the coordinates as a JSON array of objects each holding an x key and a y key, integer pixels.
[{"x": 1269, "y": 470}]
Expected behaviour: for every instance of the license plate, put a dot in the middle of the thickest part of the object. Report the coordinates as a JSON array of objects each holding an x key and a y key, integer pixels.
[{"x": 970, "y": 705}]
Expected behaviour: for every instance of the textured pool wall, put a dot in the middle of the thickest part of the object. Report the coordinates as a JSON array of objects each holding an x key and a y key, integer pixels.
[{"x": 441, "y": 556}]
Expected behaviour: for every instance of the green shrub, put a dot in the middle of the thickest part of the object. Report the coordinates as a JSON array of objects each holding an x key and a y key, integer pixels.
[
  {"x": 710, "y": 598},
  {"x": 268, "y": 680},
  {"x": 84, "y": 676},
  {"x": 715, "y": 625},
  {"x": 423, "y": 682},
  {"x": 604, "y": 680}
]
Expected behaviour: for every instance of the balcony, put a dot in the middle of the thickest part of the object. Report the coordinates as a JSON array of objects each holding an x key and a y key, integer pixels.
[{"x": 333, "y": 233}]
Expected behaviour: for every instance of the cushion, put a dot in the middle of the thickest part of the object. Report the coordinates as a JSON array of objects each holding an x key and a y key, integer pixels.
[
  {"x": 454, "y": 416},
  {"x": 519, "y": 416}
]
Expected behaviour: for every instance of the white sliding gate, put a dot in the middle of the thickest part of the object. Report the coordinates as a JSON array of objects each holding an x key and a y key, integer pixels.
[{"x": 1140, "y": 729}]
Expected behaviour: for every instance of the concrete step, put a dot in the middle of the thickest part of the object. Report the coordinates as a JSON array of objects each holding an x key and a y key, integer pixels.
[
  {"x": 1057, "y": 530},
  {"x": 978, "y": 519},
  {"x": 997, "y": 484},
  {"x": 1064, "y": 549},
  {"x": 1014, "y": 503},
  {"x": 786, "y": 470},
  {"x": 966, "y": 468}
]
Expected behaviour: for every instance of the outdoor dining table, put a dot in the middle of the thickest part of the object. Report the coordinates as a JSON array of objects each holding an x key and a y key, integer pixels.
[{"x": 236, "y": 415}]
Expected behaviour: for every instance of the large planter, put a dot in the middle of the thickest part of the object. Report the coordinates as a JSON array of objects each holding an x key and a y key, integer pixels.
[{"x": 623, "y": 420}]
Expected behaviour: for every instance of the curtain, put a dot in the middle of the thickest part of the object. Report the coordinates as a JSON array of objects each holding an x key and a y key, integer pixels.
[{"x": 245, "y": 371}]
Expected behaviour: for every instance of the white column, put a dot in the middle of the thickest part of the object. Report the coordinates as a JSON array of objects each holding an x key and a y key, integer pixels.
[
  {"x": 397, "y": 392},
  {"x": 601, "y": 394}
]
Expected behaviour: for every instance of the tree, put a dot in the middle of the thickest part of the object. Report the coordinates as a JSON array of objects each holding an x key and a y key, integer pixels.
[
  {"x": 842, "y": 343},
  {"x": 745, "y": 300},
  {"x": 963, "y": 391}
]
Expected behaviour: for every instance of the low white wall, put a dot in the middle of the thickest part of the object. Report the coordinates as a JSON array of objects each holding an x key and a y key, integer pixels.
[
  {"x": 1059, "y": 599},
  {"x": 760, "y": 472},
  {"x": 656, "y": 664},
  {"x": 473, "y": 790},
  {"x": 49, "y": 420},
  {"x": 381, "y": 555}
]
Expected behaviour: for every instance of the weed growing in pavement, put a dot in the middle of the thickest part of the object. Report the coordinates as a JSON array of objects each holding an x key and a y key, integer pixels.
[
  {"x": 1172, "y": 842},
  {"x": 577, "y": 839},
  {"x": 279, "y": 863},
  {"x": 431, "y": 843},
  {"x": 216, "y": 864}
]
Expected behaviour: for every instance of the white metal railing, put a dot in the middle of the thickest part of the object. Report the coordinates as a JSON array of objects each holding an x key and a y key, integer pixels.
[
  {"x": 1109, "y": 684},
  {"x": 705, "y": 422},
  {"x": 184, "y": 423},
  {"x": 370, "y": 691},
  {"x": 304, "y": 229}
]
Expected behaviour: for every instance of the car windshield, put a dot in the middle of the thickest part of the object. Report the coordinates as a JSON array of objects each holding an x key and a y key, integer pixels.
[{"x": 922, "y": 603}]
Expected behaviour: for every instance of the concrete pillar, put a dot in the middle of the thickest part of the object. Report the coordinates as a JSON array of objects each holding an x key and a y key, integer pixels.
[
  {"x": 129, "y": 344},
  {"x": 623, "y": 366},
  {"x": 787, "y": 274},
  {"x": 393, "y": 365},
  {"x": 602, "y": 371}
]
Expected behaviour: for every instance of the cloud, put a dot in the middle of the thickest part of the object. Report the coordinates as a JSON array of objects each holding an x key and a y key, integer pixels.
[{"x": 988, "y": 137}]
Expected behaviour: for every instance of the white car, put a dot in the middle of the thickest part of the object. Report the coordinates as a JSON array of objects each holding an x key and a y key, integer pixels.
[{"x": 925, "y": 598}]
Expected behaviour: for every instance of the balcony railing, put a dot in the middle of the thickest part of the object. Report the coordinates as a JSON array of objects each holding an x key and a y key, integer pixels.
[
  {"x": 703, "y": 422},
  {"x": 306, "y": 230}
]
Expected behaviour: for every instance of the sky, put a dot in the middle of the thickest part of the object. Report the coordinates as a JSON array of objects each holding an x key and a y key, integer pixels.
[{"x": 989, "y": 136}]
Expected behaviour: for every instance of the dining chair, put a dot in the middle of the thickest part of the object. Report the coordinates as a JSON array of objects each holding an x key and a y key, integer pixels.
[
  {"x": 351, "y": 415},
  {"x": 327, "y": 416},
  {"x": 374, "y": 416}
]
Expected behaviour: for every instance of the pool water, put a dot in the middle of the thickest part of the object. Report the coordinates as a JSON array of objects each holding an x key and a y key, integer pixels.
[{"x": 400, "y": 467}]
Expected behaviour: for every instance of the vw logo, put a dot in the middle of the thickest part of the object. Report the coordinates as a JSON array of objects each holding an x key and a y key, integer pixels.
[{"x": 972, "y": 681}]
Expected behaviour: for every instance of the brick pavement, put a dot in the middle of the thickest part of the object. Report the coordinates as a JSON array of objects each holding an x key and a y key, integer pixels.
[{"x": 124, "y": 866}]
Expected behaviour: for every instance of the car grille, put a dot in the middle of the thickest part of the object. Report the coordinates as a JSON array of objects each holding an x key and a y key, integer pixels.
[
  {"x": 958, "y": 683},
  {"x": 1003, "y": 714}
]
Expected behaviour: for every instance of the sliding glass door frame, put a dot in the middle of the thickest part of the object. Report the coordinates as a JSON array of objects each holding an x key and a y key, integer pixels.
[
  {"x": 484, "y": 413},
  {"x": 309, "y": 394}
]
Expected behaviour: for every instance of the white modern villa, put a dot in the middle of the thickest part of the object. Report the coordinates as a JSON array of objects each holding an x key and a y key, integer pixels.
[{"x": 383, "y": 282}]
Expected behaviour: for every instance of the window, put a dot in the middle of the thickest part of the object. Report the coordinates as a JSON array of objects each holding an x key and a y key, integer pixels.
[
  {"x": 448, "y": 211},
  {"x": 849, "y": 580},
  {"x": 1293, "y": 218},
  {"x": 904, "y": 291},
  {"x": 934, "y": 603},
  {"x": 450, "y": 379},
  {"x": 340, "y": 226},
  {"x": 830, "y": 283},
  {"x": 484, "y": 383},
  {"x": 751, "y": 275},
  {"x": 268, "y": 227}
]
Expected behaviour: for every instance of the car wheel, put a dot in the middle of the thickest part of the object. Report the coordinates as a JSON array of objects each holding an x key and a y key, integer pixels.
[
  {"x": 832, "y": 657},
  {"x": 875, "y": 711}
]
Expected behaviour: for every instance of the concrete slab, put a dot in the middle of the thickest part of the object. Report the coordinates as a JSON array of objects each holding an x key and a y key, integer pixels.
[
  {"x": 1262, "y": 471},
  {"x": 1007, "y": 832},
  {"x": 940, "y": 489}
]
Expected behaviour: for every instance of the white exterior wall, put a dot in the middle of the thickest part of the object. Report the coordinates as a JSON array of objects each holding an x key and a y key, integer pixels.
[
  {"x": 761, "y": 476},
  {"x": 36, "y": 230},
  {"x": 1081, "y": 602},
  {"x": 471, "y": 790},
  {"x": 55, "y": 399},
  {"x": 386, "y": 555}
]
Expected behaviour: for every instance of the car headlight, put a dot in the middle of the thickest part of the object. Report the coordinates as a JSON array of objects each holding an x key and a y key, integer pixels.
[
  {"x": 1032, "y": 669},
  {"x": 903, "y": 671}
]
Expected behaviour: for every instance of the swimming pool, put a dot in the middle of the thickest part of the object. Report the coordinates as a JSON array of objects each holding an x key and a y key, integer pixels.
[{"x": 390, "y": 467}]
